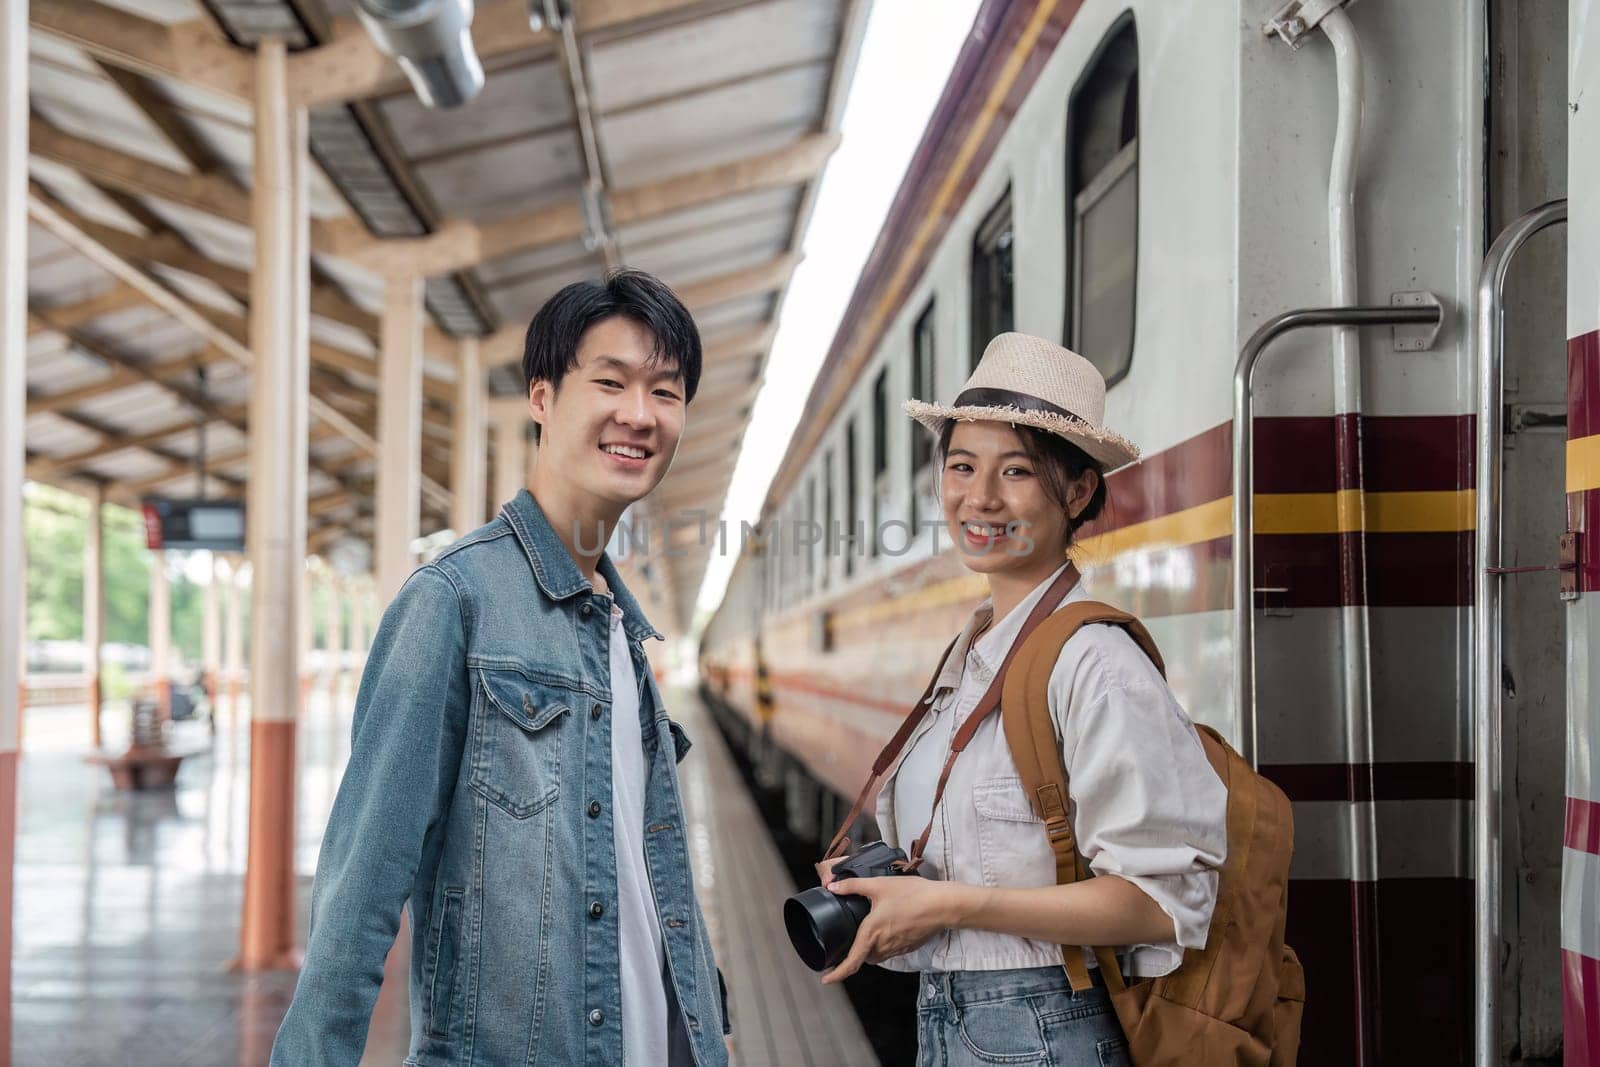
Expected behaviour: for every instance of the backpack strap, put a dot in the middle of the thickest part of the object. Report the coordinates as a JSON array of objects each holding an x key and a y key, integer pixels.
[{"x": 1036, "y": 751}]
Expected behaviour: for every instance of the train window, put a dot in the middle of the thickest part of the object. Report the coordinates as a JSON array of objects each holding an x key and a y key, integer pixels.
[
  {"x": 852, "y": 509},
  {"x": 811, "y": 523},
  {"x": 923, "y": 387},
  {"x": 1103, "y": 204},
  {"x": 881, "y": 416},
  {"x": 827, "y": 516},
  {"x": 992, "y": 298}
]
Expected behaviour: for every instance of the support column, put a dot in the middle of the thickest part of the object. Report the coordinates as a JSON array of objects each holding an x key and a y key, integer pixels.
[
  {"x": 355, "y": 609},
  {"x": 13, "y": 412},
  {"x": 276, "y": 508},
  {"x": 469, "y": 446},
  {"x": 210, "y": 634},
  {"x": 94, "y": 606},
  {"x": 510, "y": 449},
  {"x": 399, "y": 506},
  {"x": 159, "y": 618},
  {"x": 233, "y": 643}
]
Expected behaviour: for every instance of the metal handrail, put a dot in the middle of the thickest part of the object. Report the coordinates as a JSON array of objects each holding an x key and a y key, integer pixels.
[
  {"x": 1244, "y": 481},
  {"x": 1489, "y": 358}
]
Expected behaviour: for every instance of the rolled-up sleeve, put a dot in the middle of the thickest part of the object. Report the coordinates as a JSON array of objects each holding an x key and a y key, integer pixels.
[{"x": 1146, "y": 804}]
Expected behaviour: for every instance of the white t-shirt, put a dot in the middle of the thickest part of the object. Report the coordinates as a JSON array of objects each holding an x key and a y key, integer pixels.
[{"x": 643, "y": 956}]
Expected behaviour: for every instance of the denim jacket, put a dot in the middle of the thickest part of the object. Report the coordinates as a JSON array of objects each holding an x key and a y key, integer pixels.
[{"x": 478, "y": 794}]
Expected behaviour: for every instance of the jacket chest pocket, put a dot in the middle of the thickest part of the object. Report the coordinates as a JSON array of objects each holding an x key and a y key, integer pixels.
[{"x": 517, "y": 734}]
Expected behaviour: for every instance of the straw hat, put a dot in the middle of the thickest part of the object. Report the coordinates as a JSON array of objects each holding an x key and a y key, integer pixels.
[{"x": 1028, "y": 381}]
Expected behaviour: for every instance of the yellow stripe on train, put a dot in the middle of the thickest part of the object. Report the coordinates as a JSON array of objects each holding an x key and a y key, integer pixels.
[{"x": 1583, "y": 464}]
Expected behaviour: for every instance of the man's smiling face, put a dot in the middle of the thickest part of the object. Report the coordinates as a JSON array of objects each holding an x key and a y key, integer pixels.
[{"x": 611, "y": 428}]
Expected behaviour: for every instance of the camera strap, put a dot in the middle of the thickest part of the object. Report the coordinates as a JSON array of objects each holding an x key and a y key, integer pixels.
[{"x": 1052, "y": 598}]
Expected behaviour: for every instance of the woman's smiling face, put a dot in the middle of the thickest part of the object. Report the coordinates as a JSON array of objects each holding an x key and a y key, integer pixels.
[{"x": 997, "y": 508}]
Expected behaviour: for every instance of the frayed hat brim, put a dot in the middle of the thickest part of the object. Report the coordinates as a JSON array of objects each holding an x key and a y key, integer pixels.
[{"x": 1104, "y": 447}]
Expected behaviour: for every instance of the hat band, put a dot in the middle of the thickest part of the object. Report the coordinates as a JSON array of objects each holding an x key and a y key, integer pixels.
[{"x": 1008, "y": 398}]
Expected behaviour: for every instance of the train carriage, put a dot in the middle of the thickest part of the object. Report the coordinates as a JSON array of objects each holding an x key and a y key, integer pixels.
[{"x": 1153, "y": 183}]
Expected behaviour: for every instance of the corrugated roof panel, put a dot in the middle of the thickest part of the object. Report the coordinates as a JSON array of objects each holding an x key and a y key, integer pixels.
[
  {"x": 747, "y": 41},
  {"x": 688, "y": 224},
  {"x": 506, "y": 179},
  {"x": 131, "y": 409},
  {"x": 714, "y": 252},
  {"x": 168, "y": 11},
  {"x": 61, "y": 370},
  {"x": 65, "y": 185},
  {"x": 716, "y": 126},
  {"x": 52, "y": 435},
  {"x": 570, "y": 256},
  {"x": 50, "y": 49},
  {"x": 733, "y": 316},
  {"x": 514, "y": 104}
]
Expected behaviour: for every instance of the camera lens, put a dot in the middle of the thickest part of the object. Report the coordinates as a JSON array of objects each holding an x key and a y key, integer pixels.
[{"x": 822, "y": 925}]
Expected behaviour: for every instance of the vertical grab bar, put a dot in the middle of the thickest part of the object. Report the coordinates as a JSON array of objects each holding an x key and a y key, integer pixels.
[
  {"x": 1487, "y": 727},
  {"x": 1244, "y": 504}
]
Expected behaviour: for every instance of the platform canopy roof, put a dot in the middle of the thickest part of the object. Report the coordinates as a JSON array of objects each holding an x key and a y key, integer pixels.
[{"x": 711, "y": 122}]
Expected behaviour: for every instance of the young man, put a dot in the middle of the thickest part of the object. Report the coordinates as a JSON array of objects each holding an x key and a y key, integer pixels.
[{"x": 512, "y": 769}]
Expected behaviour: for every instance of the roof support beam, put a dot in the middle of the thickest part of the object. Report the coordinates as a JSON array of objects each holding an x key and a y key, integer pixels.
[
  {"x": 119, "y": 297},
  {"x": 736, "y": 285},
  {"x": 44, "y": 468},
  {"x": 186, "y": 51},
  {"x": 460, "y": 244},
  {"x": 213, "y": 193}
]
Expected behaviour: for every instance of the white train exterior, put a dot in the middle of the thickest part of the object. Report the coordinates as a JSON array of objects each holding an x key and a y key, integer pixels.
[{"x": 1150, "y": 183}]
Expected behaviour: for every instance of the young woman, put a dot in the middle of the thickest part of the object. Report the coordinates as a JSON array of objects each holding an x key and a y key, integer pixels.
[{"x": 1023, "y": 454}]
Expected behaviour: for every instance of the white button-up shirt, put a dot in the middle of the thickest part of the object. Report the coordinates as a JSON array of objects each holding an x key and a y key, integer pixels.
[{"x": 1145, "y": 803}]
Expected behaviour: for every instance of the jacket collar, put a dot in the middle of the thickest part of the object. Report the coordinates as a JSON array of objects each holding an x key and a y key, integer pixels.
[{"x": 554, "y": 569}]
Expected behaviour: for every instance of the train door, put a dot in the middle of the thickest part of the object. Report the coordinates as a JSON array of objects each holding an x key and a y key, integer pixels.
[{"x": 1528, "y": 167}]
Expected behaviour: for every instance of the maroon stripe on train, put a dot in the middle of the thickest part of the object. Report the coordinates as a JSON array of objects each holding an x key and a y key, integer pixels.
[
  {"x": 1583, "y": 516},
  {"x": 1580, "y": 1008},
  {"x": 1583, "y": 825},
  {"x": 1420, "y": 780},
  {"x": 1423, "y": 1005},
  {"x": 1402, "y": 569},
  {"x": 1400, "y": 453},
  {"x": 1583, "y": 385}
]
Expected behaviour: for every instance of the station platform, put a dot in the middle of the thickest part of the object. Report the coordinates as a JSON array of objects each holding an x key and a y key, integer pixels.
[{"x": 128, "y": 904}]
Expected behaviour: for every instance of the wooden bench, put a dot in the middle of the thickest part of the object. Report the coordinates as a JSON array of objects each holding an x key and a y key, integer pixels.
[{"x": 142, "y": 766}]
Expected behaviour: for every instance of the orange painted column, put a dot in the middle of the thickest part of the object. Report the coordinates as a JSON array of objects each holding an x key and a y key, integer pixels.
[
  {"x": 276, "y": 507},
  {"x": 13, "y": 392}
]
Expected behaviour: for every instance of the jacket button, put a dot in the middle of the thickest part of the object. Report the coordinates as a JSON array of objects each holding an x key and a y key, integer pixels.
[
  {"x": 586, "y": 610},
  {"x": 596, "y": 1017},
  {"x": 596, "y": 910},
  {"x": 594, "y": 712},
  {"x": 594, "y": 809}
]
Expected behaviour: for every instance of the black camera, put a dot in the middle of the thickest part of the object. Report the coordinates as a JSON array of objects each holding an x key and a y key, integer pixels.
[{"x": 822, "y": 925}]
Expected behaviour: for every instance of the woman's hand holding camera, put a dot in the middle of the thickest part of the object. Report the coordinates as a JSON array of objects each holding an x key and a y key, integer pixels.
[{"x": 905, "y": 913}]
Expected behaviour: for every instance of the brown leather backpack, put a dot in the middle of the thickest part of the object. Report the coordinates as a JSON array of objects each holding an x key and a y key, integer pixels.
[{"x": 1239, "y": 999}]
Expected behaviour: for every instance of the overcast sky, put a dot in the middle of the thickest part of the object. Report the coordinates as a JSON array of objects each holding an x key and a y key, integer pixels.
[{"x": 909, "y": 48}]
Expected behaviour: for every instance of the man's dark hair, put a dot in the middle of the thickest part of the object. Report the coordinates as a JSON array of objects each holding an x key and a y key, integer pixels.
[{"x": 551, "y": 347}]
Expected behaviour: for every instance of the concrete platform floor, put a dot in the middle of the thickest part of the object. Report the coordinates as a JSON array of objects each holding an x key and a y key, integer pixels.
[{"x": 128, "y": 904}]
